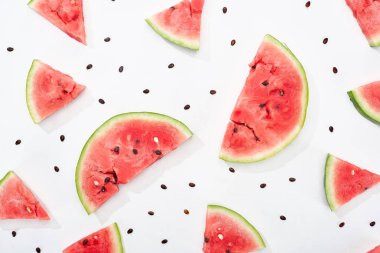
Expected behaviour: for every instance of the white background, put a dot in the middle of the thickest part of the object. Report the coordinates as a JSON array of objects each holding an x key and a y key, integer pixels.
[{"x": 310, "y": 225}]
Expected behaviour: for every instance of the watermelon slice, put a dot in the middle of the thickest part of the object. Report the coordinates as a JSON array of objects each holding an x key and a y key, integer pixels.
[
  {"x": 106, "y": 240},
  {"x": 366, "y": 99},
  {"x": 180, "y": 24},
  {"x": 271, "y": 109},
  {"x": 67, "y": 15},
  {"x": 48, "y": 90},
  {"x": 17, "y": 201},
  {"x": 344, "y": 181},
  {"x": 228, "y": 231},
  {"x": 375, "y": 250},
  {"x": 122, "y": 148},
  {"x": 366, "y": 13}
]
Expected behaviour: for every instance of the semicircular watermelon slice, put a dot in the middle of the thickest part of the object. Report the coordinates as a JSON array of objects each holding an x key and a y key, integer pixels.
[
  {"x": 180, "y": 24},
  {"x": 344, "y": 181},
  {"x": 271, "y": 109},
  {"x": 228, "y": 231},
  {"x": 17, "y": 201},
  {"x": 121, "y": 149},
  {"x": 366, "y": 100},
  {"x": 67, "y": 15},
  {"x": 48, "y": 90},
  {"x": 106, "y": 240}
]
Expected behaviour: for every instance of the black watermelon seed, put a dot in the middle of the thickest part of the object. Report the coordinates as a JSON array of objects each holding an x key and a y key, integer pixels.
[
  {"x": 191, "y": 184},
  {"x": 325, "y": 40},
  {"x": 263, "y": 186},
  {"x": 262, "y": 105},
  {"x": 164, "y": 187},
  {"x": 158, "y": 152},
  {"x": 18, "y": 142},
  {"x": 146, "y": 91},
  {"x": 137, "y": 141},
  {"x": 186, "y": 107},
  {"x": 108, "y": 39},
  {"x": 135, "y": 151},
  {"x": 56, "y": 168},
  {"x": 89, "y": 66},
  {"x": 14, "y": 233},
  {"x": 107, "y": 179},
  {"x": 212, "y": 92},
  {"x": 186, "y": 212},
  {"x": 121, "y": 69},
  {"x": 62, "y": 138},
  {"x": 331, "y": 129},
  {"x": 233, "y": 42},
  {"x": 85, "y": 241},
  {"x": 341, "y": 224},
  {"x": 10, "y": 49},
  {"x": 335, "y": 70},
  {"x": 171, "y": 65},
  {"x": 103, "y": 189},
  {"x": 265, "y": 83},
  {"x": 282, "y": 93},
  {"x": 164, "y": 241},
  {"x": 101, "y": 101},
  {"x": 307, "y": 4},
  {"x": 232, "y": 170},
  {"x": 372, "y": 223},
  {"x": 282, "y": 217},
  {"x": 292, "y": 179},
  {"x": 253, "y": 67},
  {"x": 206, "y": 240},
  {"x": 172, "y": 8},
  {"x": 224, "y": 10},
  {"x": 151, "y": 213},
  {"x": 130, "y": 231},
  {"x": 38, "y": 250},
  {"x": 116, "y": 150},
  {"x": 235, "y": 130}
]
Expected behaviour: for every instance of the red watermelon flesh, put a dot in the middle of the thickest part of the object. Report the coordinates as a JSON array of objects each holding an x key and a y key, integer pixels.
[
  {"x": 271, "y": 108},
  {"x": 48, "y": 90},
  {"x": 375, "y": 250},
  {"x": 367, "y": 15},
  {"x": 228, "y": 231},
  {"x": 106, "y": 240},
  {"x": 180, "y": 24},
  {"x": 17, "y": 201},
  {"x": 344, "y": 181},
  {"x": 121, "y": 149},
  {"x": 67, "y": 15}
]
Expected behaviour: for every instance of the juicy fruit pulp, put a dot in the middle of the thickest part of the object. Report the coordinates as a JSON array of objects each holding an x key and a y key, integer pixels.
[
  {"x": 17, "y": 201},
  {"x": 67, "y": 15},
  {"x": 344, "y": 181},
  {"x": 121, "y": 149},
  {"x": 366, "y": 13},
  {"x": 48, "y": 90},
  {"x": 366, "y": 100},
  {"x": 271, "y": 109},
  {"x": 228, "y": 231},
  {"x": 375, "y": 250},
  {"x": 106, "y": 240},
  {"x": 180, "y": 24}
]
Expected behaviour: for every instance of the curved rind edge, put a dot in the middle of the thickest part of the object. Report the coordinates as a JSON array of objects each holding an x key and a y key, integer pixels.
[
  {"x": 6, "y": 177},
  {"x": 28, "y": 91},
  {"x": 163, "y": 117},
  {"x": 242, "y": 220},
  {"x": 357, "y": 103},
  {"x": 328, "y": 182},
  {"x": 119, "y": 240}
]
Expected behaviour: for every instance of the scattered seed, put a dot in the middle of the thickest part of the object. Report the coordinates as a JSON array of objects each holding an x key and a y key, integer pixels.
[
  {"x": 335, "y": 70},
  {"x": 186, "y": 212},
  {"x": 164, "y": 187},
  {"x": 89, "y": 66},
  {"x": 116, "y": 150},
  {"x": 158, "y": 152},
  {"x": 307, "y": 4},
  {"x": 164, "y": 241},
  {"x": 14, "y": 233},
  {"x": 282, "y": 93},
  {"x": 262, "y": 186},
  {"x": 96, "y": 183},
  {"x": 108, "y": 39},
  {"x": 262, "y": 105},
  {"x": 191, "y": 184},
  {"x": 121, "y": 69},
  {"x": 155, "y": 139},
  {"x": 325, "y": 40},
  {"x": 151, "y": 213},
  {"x": 186, "y": 107},
  {"x": 282, "y": 217},
  {"x": 224, "y": 10},
  {"x": 62, "y": 138},
  {"x": 171, "y": 65},
  {"x": 107, "y": 180},
  {"x": 265, "y": 83},
  {"x": 292, "y": 179},
  {"x": 146, "y": 91},
  {"x": 10, "y": 49},
  {"x": 85, "y": 241},
  {"x": 331, "y": 129},
  {"x": 56, "y": 168},
  {"x": 232, "y": 170},
  {"x": 341, "y": 224},
  {"x": 172, "y": 8},
  {"x": 38, "y": 250},
  {"x": 233, "y": 42},
  {"x": 103, "y": 189},
  {"x": 212, "y": 92},
  {"x": 206, "y": 240},
  {"x": 101, "y": 101},
  {"x": 130, "y": 231},
  {"x": 18, "y": 142},
  {"x": 135, "y": 151},
  {"x": 372, "y": 223},
  {"x": 235, "y": 130}
]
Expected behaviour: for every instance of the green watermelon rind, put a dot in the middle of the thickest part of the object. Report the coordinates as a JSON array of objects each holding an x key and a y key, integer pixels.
[
  {"x": 240, "y": 219},
  {"x": 329, "y": 182},
  {"x": 179, "y": 41},
  {"x": 105, "y": 126},
  {"x": 265, "y": 155},
  {"x": 117, "y": 238},
  {"x": 362, "y": 107},
  {"x": 29, "y": 91},
  {"x": 7, "y": 176}
]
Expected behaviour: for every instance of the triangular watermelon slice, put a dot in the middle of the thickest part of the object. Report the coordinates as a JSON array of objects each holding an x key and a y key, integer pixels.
[
  {"x": 106, "y": 240},
  {"x": 366, "y": 100},
  {"x": 375, "y": 250},
  {"x": 367, "y": 15},
  {"x": 48, "y": 90},
  {"x": 344, "y": 181},
  {"x": 17, "y": 201},
  {"x": 67, "y": 15},
  {"x": 121, "y": 149},
  {"x": 228, "y": 231},
  {"x": 271, "y": 109},
  {"x": 180, "y": 24}
]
